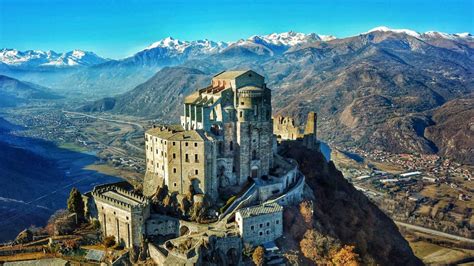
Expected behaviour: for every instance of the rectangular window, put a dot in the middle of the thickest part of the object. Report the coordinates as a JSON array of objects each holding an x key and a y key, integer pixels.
[
  {"x": 196, "y": 172},
  {"x": 186, "y": 144},
  {"x": 174, "y": 155},
  {"x": 195, "y": 144},
  {"x": 186, "y": 157},
  {"x": 174, "y": 143},
  {"x": 196, "y": 158},
  {"x": 174, "y": 170}
]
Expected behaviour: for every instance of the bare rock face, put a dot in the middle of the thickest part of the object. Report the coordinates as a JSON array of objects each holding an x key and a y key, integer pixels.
[{"x": 347, "y": 215}]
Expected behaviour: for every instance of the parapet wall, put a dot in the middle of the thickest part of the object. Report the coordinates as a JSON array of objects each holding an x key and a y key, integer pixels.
[{"x": 98, "y": 193}]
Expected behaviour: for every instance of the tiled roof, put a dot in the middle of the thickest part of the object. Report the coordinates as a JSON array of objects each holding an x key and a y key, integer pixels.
[
  {"x": 260, "y": 210},
  {"x": 230, "y": 74}
]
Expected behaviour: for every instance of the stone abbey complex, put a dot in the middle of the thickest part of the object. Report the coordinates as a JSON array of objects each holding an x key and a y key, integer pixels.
[{"x": 214, "y": 183}]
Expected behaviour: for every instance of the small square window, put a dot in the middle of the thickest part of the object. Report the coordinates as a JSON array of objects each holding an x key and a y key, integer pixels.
[
  {"x": 195, "y": 144},
  {"x": 186, "y": 144},
  {"x": 174, "y": 143}
]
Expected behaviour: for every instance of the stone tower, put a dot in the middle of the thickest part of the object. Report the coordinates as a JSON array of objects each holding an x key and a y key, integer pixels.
[{"x": 310, "y": 136}]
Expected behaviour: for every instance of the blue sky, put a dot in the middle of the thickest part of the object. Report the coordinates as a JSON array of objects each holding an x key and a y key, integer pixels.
[{"x": 116, "y": 28}]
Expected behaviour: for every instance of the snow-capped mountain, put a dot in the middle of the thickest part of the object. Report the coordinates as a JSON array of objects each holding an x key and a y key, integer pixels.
[
  {"x": 171, "y": 51},
  {"x": 292, "y": 38},
  {"x": 427, "y": 35},
  {"x": 179, "y": 46},
  {"x": 178, "y": 50},
  {"x": 38, "y": 58}
]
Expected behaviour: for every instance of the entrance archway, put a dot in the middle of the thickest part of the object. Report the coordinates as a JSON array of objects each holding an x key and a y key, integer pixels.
[{"x": 254, "y": 172}]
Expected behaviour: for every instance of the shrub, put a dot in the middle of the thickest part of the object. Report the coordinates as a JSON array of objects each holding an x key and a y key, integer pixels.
[
  {"x": 75, "y": 204},
  {"x": 258, "y": 256},
  {"x": 109, "y": 241},
  {"x": 306, "y": 211},
  {"x": 345, "y": 256}
]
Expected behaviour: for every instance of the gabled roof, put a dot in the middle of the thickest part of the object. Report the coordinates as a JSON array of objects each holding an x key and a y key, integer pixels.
[
  {"x": 261, "y": 209},
  {"x": 232, "y": 74}
]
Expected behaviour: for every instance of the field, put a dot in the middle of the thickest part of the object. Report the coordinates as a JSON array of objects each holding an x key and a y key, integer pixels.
[{"x": 436, "y": 254}]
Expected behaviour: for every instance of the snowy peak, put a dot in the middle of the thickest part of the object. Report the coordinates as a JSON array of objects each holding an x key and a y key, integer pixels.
[
  {"x": 426, "y": 35},
  {"x": 280, "y": 41},
  {"x": 387, "y": 29},
  {"x": 38, "y": 58},
  {"x": 292, "y": 38},
  {"x": 179, "y": 46}
]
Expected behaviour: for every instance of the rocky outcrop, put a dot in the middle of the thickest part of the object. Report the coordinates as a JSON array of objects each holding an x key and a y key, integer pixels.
[{"x": 346, "y": 214}]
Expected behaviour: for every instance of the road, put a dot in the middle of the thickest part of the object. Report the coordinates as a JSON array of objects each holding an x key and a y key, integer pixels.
[
  {"x": 434, "y": 232},
  {"x": 138, "y": 128}
]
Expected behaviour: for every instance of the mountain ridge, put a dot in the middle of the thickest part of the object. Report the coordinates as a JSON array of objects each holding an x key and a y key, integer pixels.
[{"x": 378, "y": 89}]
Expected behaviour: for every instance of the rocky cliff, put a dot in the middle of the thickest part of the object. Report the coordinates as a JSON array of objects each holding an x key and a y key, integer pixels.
[{"x": 346, "y": 215}]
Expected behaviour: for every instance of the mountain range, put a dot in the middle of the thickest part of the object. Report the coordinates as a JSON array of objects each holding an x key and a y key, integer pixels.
[
  {"x": 390, "y": 89},
  {"x": 44, "y": 59}
]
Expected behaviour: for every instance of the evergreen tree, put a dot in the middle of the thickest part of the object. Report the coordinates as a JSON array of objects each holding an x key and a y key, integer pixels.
[{"x": 75, "y": 204}]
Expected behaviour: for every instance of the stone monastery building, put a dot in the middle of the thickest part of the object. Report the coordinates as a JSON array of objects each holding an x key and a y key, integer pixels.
[
  {"x": 225, "y": 142},
  {"x": 225, "y": 137}
]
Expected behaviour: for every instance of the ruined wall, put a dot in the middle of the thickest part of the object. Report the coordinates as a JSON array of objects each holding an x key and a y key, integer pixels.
[{"x": 285, "y": 128}]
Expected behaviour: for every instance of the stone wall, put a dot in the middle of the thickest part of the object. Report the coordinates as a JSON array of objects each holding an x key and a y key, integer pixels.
[
  {"x": 162, "y": 225},
  {"x": 285, "y": 128},
  {"x": 256, "y": 230}
]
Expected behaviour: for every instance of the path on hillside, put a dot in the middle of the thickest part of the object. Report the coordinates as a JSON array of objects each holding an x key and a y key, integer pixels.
[{"x": 434, "y": 232}]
